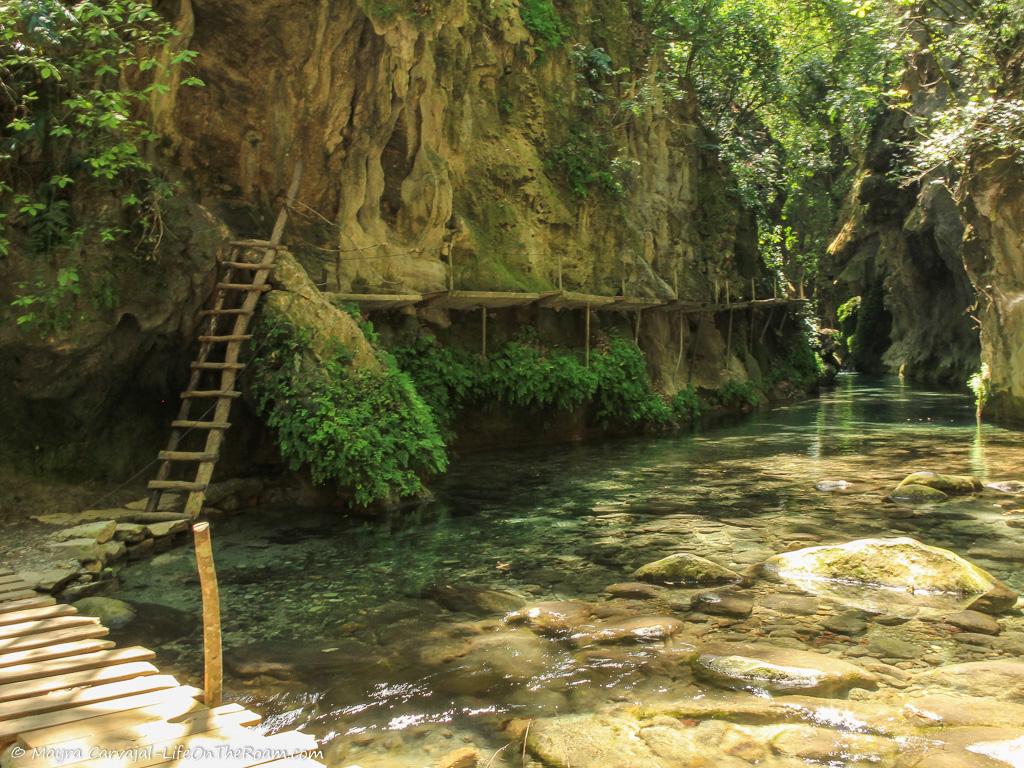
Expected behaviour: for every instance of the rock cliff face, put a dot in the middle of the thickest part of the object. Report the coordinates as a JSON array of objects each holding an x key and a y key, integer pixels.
[
  {"x": 443, "y": 143},
  {"x": 906, "y": 241},
  {"x": 994, "y": 256}
]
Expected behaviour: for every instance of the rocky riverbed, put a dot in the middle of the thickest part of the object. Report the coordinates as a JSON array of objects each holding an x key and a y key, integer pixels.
[{"x": 753, "y": 595}]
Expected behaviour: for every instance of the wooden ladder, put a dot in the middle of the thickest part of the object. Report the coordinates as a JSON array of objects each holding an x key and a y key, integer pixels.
[{"x": 240, "y": 283}]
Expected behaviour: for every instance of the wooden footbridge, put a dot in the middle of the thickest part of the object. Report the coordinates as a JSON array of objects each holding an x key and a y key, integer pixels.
[{"x": 70, "y": 698}]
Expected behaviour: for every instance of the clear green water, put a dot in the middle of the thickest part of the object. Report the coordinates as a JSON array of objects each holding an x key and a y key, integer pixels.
[{"x": 331, "y": 624}]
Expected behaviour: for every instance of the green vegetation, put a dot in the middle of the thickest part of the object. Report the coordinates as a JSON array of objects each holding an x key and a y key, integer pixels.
[
  {"x": 737, "y": 396},
  {"x": 864, "y": 328},
  {"x": 77, "y": 80},
  {"x": 527, "y": 374},
  {"x": 980, "y": 384},
  {"x": 586, "y": 160},
  {"x": 801, "y": 364},
  {"x": 686, "y": 408},
  {"x": 365, "y": 430},
  {"x": 542, "y": 19}
]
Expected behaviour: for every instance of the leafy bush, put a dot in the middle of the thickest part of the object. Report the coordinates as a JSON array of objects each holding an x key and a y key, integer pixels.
[
  {"x": 77, "y": 80},
  {"x": 365, "y": 430},
  {"x": 585, "y": 160},
  {"x": 527, "y": 374},
  {"x": 801, "y": 365},
  {"x": 542, "y": 19},
  {"x": 738, "y": 395},
  {"x": 624, "y": 393},
  {"x": 686, "y": 406}
]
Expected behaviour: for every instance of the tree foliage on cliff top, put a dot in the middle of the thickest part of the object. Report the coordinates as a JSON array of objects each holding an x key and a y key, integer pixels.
[{"x": 76, "y": 168}]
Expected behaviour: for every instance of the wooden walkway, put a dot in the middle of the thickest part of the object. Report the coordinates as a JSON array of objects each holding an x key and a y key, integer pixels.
[
  {"x": 69, "y": 697},
  {"x": 557, "y": 300}
]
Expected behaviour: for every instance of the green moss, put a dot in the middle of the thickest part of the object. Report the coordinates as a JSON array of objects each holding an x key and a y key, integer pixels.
[{"x": 365, "y": 430}]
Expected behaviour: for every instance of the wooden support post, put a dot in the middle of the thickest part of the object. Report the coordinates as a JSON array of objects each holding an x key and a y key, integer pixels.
[
  {"x": 693, "y": 348},
  {"x": 675, "y": 283},
  {"x": 483, "y": 331},
  {"x": 767, "y": 323},
  {"x": 560, "y": 271},
  {"x": 586, "y": 334},
  {"x": 753, "y": 290},
  {"x": 451, "y": 268},
  {"x": 679, "y": 358},
  {"x": 775, "y": 286},
  {"x": 716, "y": 291},
  {"x": 636, "y": 333},
  {"x": 213, "y": 661},
  {"x": 728, "y": 340},
  {"x": 727, "y": 299}
]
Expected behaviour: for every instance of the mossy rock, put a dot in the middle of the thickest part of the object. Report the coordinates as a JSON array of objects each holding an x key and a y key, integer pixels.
[
  {"x": 684, "y": 568},
  {"x": 779, "y": 670},
  {"x": 903, "y": 564},
  {"x": 953, "y": 485},
  {"x": 912, "y": 493},
  {"x": 113, "y": 613}
]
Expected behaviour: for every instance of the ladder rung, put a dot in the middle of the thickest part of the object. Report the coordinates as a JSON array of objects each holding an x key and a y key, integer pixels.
[
  {"x": 246, "y": 265},
  {"x": 236, "y": 337},
  {"x": 242, "y": 287},
  {"x": 175, "y": 485},
  {"x": 208, "y": 312},
  {"x": 210, "y": 393},
  {"x": 255, "y": 244},
  {"x": 217, "y": 366},
  {"x": 186, "y": 456},
  {"x": 182, "y": 424}
]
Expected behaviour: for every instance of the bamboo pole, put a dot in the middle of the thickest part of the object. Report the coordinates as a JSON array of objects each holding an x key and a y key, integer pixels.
[
  {"x": 213, "y": 660},
  {"x": 586, "y": 333},
  {"x": 636, "y": 334},
  {"x": 483, "y": 331}
]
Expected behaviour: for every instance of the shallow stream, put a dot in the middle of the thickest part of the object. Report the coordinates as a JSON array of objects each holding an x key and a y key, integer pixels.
[{"x": 386, "y": 637}]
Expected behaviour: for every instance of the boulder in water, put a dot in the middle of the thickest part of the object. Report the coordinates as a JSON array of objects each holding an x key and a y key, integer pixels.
[
  {"x": 479, "y": 601},
  {"x": 902, "y": 564},
  {"x": 113, "y": 613},
  {"x": 950, "y": 484},
  {"x": 1012, "y": 487},
  {"x": 832, "y": 486},
  {"x": 998, "y": 678},
  {"x": 913, "y": 493},
  {"x": 684, "y": 568},
  {"x": 554, "y": 617},
  {"x": 638, "y": 629},
  {"x": 779, "y": 670}
]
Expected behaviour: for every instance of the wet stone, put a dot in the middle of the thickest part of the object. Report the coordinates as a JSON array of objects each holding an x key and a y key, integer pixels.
[
  {"x": 887, "y": 647},
  {"x": 973, "y": 621},
  {"x": 795, "y": 605},
  {"x": 851, "y": 623},
  {"x": 634, "y": 590},
  {"x": 724, "y": 604}
]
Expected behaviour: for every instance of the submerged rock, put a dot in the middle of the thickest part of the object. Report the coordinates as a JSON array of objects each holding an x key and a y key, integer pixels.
[
  {"x": 903, "y": 564},
  {"x": 830, "y": 486},
  {"x": 973, "y": 621},
  {"x": 552, "y": 618},
  {"x": 779, "y": 670},
  {"x": 949, "y": 484},
  {"x": 113, "y": 613},
  {"x": 998, "y": 678},
  {"x": 684, "y": 568},
  {"x": 481, "y": 601},
  {"x": 1007, "y": 486},
  {"x": 639, "y": 629},
  {"x": 917, "y": 494}
]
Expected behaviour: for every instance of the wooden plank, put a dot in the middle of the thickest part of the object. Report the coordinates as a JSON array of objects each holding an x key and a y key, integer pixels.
[
  {"x": 247, "y": 265},
  {"x": 88, "y": 677},
  {"x": 20, "y": 672},
  {"x": 186, "y": 456},
  {"x": 630, "y": 303},
  {"x": 55, "y": 651},
  {"x": 248, "y": 287},
  {"x": 574, "y": 300},
  {"x": 218, "y": 366},
  {"x": 40, "y": 730},
  {"x": 44, "y": 625},
  {"x": 40, "y": 639},
  {"x": 76, "y": 697},
  {"x": 211, "y": 393},
  {"x": 183, "y": 424},
  {"x": 12, "y": 578},
  {"x": 127, "y": 733},
  {"x": 35, "y": 614},
  {"x": 377, "y": 301},
  {"x": 41, "y": 601},
  {"x": 467, "y": 300},
  {"x": 175, "y": 485},
  {"x": 217, "y": 312},
  {"x": 226, "y": 337},
  {"x": 21, "y": 594},
  {"x": 254, "y": 243}
]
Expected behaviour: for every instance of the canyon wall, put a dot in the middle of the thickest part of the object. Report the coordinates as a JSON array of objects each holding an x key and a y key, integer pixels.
[{"x": 442, "y": 143}]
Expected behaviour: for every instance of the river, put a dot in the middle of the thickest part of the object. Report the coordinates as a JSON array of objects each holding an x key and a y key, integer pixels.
[{"x": 387, "y": 637}]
